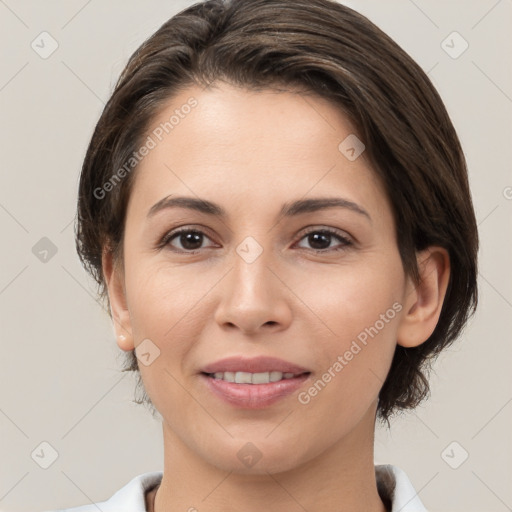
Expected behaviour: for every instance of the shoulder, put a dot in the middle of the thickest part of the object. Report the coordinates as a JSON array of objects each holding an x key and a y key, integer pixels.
[
  {"x": 131, "y": 497},
  {"x": 394, "y": 485}
]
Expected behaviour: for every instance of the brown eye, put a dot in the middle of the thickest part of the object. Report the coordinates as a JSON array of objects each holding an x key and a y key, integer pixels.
[
  {"x": 321, "y": 239},
  {"x": 189, "y": 240}
]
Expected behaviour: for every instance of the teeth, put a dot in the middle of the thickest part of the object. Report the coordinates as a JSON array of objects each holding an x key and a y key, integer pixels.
[
  {"x": 244, "y": 378},
  {"x": 252, "y": 378},
  {"x": 229, "y": 376},
  {"x": 275, "y": 376}
]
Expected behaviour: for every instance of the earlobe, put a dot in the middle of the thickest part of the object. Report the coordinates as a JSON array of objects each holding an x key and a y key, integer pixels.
[
  {"x": 124, "y": 342},
  {"x": 423, "y": 302},
  {"x": 114, "y": 279}
]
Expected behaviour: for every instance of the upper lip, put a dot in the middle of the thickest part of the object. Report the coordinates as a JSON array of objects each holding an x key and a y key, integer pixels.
[{"x": 253, "y": 365}]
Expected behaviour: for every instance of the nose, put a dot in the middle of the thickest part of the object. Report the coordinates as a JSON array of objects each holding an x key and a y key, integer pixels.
[{"x": 253, "y": 298}]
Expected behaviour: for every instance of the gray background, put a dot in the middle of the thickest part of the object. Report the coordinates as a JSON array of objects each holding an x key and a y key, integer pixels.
[{"x": 60, "y": 378}]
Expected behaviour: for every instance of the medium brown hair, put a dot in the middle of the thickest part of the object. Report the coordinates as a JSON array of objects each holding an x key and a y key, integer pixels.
[{"x": 330, "y": 50}]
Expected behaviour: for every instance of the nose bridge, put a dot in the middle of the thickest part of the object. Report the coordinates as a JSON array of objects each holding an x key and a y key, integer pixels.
[
  {"x": 252, "y": 296},
  {"x": 251, "y": 277},
  {"x": 250, "y": 265}
]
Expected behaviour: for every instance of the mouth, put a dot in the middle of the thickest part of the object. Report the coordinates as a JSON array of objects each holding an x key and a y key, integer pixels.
[
  {"x": 240, "y": 377},
  {"x": 247, "y": 390}
]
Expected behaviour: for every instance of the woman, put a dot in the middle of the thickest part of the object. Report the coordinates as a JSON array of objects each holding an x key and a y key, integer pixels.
[{"x": 276, "y": 208}]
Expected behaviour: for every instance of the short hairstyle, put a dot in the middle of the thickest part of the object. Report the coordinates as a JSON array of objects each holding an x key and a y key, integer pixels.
[{"x": 324, "y": 48}]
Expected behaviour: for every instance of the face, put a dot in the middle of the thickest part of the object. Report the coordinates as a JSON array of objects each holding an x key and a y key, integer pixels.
[{"x": 320, "y": 288}]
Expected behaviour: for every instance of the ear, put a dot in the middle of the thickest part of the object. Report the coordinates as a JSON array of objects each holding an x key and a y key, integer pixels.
[
  {"x": 423, "y": 303},
  {"x": 114, "y": 278}
]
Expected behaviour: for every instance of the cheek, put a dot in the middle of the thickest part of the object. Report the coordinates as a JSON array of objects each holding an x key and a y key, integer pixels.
[
  {"x": 356, "y": 315},
  {"x": 165, "y": 306},
  {"x": 347, "y": 299},
  {"x": 169, "y": 306},
  {"x": 163, "y": 299}
]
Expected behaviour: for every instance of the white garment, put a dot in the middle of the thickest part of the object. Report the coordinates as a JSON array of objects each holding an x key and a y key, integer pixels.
[{"x": 131, "y": 497}]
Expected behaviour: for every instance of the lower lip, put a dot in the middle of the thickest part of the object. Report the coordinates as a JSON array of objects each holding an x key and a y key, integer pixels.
[{"x": 254, "y": 396}]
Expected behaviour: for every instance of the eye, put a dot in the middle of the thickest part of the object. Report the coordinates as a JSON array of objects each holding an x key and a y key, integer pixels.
[
  {"x": 189, "y": 239},
  {"x": 320, "y": 240}
]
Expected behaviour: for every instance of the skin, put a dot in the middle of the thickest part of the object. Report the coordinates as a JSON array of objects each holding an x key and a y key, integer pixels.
[{"x": 251, "y": 152}]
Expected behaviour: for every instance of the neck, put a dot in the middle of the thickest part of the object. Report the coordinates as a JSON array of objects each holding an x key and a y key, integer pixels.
[{"x": 340, "y": 479}]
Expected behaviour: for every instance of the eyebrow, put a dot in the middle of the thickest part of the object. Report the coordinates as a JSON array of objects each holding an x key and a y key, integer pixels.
[{"x": 289, "y": 209}]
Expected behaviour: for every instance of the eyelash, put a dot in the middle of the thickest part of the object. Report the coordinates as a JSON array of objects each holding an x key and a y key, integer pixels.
[{"x": 168, "y": 237}]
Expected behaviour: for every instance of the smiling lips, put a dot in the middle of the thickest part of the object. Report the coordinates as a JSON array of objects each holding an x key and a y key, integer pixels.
[
  {"x": 252, "y": 378},
  {"x": 253, "y": 383},
  {"x": 253, "y": 365}
]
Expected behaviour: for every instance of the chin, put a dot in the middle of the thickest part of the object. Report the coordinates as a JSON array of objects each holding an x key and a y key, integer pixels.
[{"x": 257, "y": 457}]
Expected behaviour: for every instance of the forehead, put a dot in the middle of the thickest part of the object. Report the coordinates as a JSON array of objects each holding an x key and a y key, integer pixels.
[
  {"x": 224, "y": 114},
  {"x": 262, "y": 146}
]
